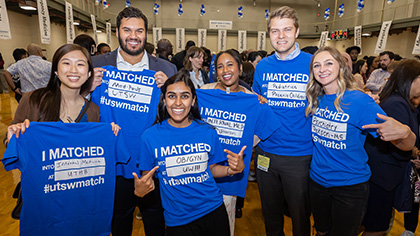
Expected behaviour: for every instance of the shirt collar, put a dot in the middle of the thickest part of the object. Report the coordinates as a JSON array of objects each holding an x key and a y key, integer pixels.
[
  {"x": 291, "y": 56},
  {"x": 123, "y": 65}
]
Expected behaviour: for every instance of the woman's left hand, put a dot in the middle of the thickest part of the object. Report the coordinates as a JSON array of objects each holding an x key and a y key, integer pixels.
[
  {"x": 115, "y": 128},
  {"x": 160, "y": 78},
  {"x": 236, "y": 161},
  {"x": 262, "y": 99},
  {"x": 17, "y": 129}
]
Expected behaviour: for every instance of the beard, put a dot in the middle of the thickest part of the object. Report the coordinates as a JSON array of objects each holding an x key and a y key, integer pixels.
[
  {"x": 384, "y": 67},
  {"x": 124, "y": 47}
]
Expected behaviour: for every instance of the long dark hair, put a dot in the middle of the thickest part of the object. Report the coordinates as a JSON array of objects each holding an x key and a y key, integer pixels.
[
  {"x": 401, "y": 80},
  {"x": 182, "y": 76},
  {"x": 48, "y": 99}
]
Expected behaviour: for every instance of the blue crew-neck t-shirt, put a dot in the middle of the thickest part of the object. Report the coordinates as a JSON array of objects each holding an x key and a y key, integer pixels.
[
  {"x": 187, "y": 187},
  {"x": 284, "y": 83},
  {"x": 339, "y": 157},
  {"x": 68, "y": 177},
  {"x": 237, "y": 117},
  {"x": 130, "y": 99}
]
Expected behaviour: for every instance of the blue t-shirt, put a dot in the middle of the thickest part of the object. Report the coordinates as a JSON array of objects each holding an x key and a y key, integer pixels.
[
  {"x": 339, "y": 158},
  {"x": 68, "y": 177},
  {"x": 183, "y": 155},
  {"x": 237, "y": 117},
  {"x": 129, "y": 99},
  {"x": 284, "y": 83}
]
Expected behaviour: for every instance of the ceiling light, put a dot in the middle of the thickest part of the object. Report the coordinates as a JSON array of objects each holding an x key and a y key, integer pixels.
[
  {"x": 366, "y": 34},
  {"x": 28, "y": 5},
  {"x": 76, "y": 23},
  {"x": 99, "y": 31}
]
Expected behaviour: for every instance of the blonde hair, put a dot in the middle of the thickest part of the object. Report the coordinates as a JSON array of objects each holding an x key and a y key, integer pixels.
[
  {"x": 345, "y": 81},
  {"x": 284, "y": 12}
]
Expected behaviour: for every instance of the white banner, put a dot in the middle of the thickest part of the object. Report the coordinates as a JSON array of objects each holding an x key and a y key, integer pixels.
[
  {"x": 241, "y": 40},
  {"x": 261, "y": 40},
  {"x": 358, "y": 37},
  {"x": 383, "y": 37},
  {"x": 218, "y": 24},
  {"x": 221, "y": 39},
  {"x": 95, "y": 34},
  {"x": 416, "y": 49},
  {"x": 44, "y": 21},
  {"x": 69, "y": 23},
  {"x": 157, "y": 35},
  {"x": 202, "y": 37},
  {"x": 108, "y": 33},
  {"x": 4, "y": 22},
  {"x": 180, "y": 39},
  {"x": 323, "y": 39}
]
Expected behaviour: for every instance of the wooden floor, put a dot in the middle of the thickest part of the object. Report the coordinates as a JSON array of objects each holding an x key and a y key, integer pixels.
[{"x": 251, "y": 224}]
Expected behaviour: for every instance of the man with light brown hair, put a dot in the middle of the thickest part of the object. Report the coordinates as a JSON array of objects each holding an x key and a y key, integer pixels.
[{"x": 282, "y": 161}]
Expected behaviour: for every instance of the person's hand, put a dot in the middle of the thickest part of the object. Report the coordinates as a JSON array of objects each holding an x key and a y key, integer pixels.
[
  {"x": 145, "y": 183},
  {"x": 391, "y": 129},
  {"x": 17, "y": 90},
  {"x": 17, "y": 129},
  {"x": 235, "y": 161},
  {"x": 115, "y": 128},
  {"x": 262, "y": 99},
  {"x": 373, "y": 96},
  {"x": 97, "y": 77},
  {"x": 160, "y": 78},
  {"x": 416, "y": 163}
]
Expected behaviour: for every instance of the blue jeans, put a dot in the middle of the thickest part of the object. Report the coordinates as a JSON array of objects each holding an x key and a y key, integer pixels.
[{"x": 338, "y": 211}]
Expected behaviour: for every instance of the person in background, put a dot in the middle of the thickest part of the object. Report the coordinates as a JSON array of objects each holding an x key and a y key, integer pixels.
[
  {"x": 263, "y": 53},
  {"x": 354, "y": 52},
  {"x": 4, "y": 88},
  {"x": 373, "y": 64},
  {"x": 378, "y": 76},
  {"x": 254, "y": 57},
  {"x": 103, "y": 48},
  {"x": 164, "y": 49},
  {"x": 348, "y": 61},
  {"x": 178, "y": 59},
  {"x": 34, "y": 71},
  {"x": 248, "y": 71},
  {"x": 150, "y": 48},
  {"x": 360, "y": 71},
  {"x": 389, "y": 185},
  {"x": 18, "y": 54},
  {"x": 193, "y": 63},
  {"x": 87, "y": 42},
  {"x": 207, "y": 60}
]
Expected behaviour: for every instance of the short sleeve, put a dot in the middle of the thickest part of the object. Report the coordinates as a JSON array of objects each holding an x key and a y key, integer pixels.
[
  {"x": 13, "y": 68},
  {"x": 256, "y": 85},
  {"x": 368, "y": 115},
  {"x": 217, "y": 154},
  {"x": 145, "y": 157},
  {"x": 267, "y": 122},
  {"x": 122, "y": 154},
  {"x": 10, "y": 158}
]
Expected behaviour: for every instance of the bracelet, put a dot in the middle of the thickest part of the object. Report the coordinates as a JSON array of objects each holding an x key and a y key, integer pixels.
[{"x": 227, "y": 172}]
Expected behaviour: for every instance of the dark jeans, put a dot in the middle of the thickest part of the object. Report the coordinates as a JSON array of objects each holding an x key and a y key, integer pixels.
[
  {"x": 212, "y": 224},
  {"x": 287, "y": 180},
  {"x": 412, "y": 219},
  {"x": 338, "y": 211},
  {"x": 125, "y": 203}
]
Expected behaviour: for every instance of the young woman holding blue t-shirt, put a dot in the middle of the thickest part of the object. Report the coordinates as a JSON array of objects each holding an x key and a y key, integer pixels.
[
  {"x": 63, "y": 98},
  {"x": 391, "y": 166},
  {"x": 187, "y": 151},
  {"x": 342, "y": 116}
]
